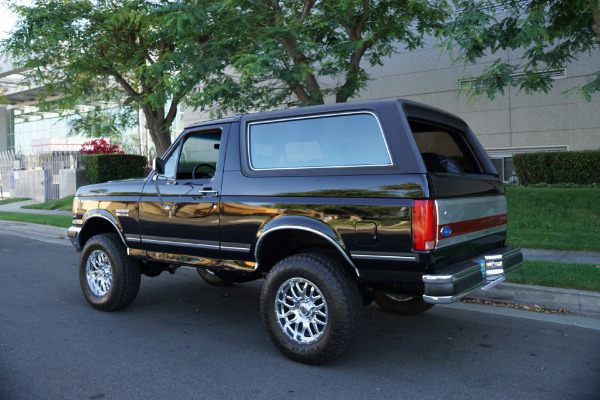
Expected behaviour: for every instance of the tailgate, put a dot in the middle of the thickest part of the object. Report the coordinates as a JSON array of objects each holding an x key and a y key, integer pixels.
[{"x": 466, "y": 219}]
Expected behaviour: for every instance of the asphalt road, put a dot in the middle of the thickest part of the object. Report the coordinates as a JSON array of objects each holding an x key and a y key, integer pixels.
[{"x": 183, "y": 339}]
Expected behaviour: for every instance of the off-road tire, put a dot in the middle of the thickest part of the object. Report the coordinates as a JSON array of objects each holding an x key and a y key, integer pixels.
[
  {"x": 401, "y": 305},
  {"x": 119, "y": 278},
  {"x": 335, "y": 294}
]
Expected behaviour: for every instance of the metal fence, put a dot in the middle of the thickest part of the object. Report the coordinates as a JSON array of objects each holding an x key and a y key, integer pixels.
[
  {"x": 52, "y": 162},
  {"x": 6, "y": 165}
]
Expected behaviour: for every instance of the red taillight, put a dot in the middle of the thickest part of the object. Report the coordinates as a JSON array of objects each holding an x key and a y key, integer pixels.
[{"x": 424, "y": 225}]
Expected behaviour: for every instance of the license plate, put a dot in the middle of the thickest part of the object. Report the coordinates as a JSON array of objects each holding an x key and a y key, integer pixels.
[{"x": 482, "y": 265}]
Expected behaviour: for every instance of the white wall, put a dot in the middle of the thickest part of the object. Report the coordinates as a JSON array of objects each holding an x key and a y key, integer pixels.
[{"x": 513, "y": 120}]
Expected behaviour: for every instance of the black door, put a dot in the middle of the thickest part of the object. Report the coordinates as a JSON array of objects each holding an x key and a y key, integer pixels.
[{"x": 179, "y": 210}]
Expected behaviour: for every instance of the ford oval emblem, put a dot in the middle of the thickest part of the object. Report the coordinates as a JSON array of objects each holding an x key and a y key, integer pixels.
[{"x": 446, "y": 231}]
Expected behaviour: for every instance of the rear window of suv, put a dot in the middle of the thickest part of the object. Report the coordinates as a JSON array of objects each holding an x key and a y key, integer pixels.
[
  {"x": 329, "y": 141},
  {"x": 444, "y": 149}
]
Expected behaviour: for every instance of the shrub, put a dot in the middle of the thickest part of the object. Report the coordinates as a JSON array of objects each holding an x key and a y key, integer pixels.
[
  {"x": 107, "y": 167},
  {"x": 573, "y": 167}
]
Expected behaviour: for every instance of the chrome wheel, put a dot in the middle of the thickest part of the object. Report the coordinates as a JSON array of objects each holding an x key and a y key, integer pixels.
[
  {"x": 301, "y": 311},
  {"x": 109, "y": 279},
  {"x": 311, "y": 307},
  {"x": 99, "y": 273}
]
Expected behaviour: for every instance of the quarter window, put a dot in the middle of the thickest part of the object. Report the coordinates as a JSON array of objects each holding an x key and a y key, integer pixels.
[
  {"x": 444, "y": 150},
  {"x": 334, "y": 141}
]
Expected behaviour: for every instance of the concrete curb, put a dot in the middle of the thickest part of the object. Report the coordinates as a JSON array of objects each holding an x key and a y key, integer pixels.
[{"x": 575, "y": 301}]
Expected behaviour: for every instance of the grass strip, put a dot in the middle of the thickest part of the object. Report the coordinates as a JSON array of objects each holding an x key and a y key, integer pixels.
[
  {"x": 63, "y": 221},
  {"x": 554, "y": 218},
  {"x": 557, "y": 274},
  {"x": 64, "y": 204},
  {"x": 8, "y": 201}
]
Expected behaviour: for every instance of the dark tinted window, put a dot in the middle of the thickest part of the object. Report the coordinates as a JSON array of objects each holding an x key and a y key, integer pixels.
[{"x": 444, "y": 150}]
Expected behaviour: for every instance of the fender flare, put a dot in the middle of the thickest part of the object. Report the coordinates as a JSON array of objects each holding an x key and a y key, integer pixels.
[
  {"x": 307, "y": 224},
  {"x": 107, "y": 216}
]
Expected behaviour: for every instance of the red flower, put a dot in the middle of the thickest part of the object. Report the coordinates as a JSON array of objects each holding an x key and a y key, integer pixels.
[{"x": 99, "y": 146}]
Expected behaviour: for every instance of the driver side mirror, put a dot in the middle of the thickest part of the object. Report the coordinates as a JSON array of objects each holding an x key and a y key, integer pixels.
[{"x": 158, "y": 165}]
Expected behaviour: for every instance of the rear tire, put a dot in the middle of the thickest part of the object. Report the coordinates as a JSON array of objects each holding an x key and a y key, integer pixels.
[
  {"x": 311, "y": 308},
  {"x": 109, "y": 279},
  {"x": 401, "y": 305}
]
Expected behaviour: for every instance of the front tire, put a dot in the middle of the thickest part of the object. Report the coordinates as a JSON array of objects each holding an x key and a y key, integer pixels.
[
  {"x": 311, "y": 308},
  {"x": 109, "y": 279},
  {"x": 401, "y": 305}
]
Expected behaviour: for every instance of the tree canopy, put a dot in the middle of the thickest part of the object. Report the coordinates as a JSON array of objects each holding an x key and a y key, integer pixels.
[
  {"x": 151, "y": 54},
  {"x": 549, "y": 33},
  {"x": 298, "y": 52},
  {"x": 232, "y": 54},
  {"x": 237, "y": 55}
]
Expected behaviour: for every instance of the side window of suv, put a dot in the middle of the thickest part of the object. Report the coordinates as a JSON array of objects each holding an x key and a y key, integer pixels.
[
  {"x": 330, "y": 141},
  {"x": 197, "y": 157}
]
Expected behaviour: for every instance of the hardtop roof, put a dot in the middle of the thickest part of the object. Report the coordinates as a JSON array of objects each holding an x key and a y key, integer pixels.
[{"x": 329, "y": 108}]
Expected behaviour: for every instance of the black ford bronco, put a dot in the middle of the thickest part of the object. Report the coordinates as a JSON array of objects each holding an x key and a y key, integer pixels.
[{"x": 335, "y": 206}]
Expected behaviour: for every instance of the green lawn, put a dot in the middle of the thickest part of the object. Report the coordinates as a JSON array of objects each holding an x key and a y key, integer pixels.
[
  {"x": 64, "y": 204},
  {"x": 555, "y": 274},
  {"x": 63, "y": 221},
  {"x": 8, "y": 201},
  {"x": 554, "y": 218}
]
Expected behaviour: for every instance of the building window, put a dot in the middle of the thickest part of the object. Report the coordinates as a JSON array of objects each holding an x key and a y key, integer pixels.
[
  {"x": 505, "y": 168},
  {"x": 502, "y": 158},
  {"x": 552, "y": 73}
]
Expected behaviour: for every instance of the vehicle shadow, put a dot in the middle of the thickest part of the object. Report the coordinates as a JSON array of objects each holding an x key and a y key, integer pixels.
[{"x": 438, "y": 335}]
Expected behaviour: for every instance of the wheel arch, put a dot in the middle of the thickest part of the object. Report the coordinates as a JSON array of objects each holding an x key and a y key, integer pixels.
[
  {"x": 285, "y": 236},
  {"x": 99, "y": 221}
]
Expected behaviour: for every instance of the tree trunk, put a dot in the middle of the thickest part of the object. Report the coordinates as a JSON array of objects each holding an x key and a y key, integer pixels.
[
  {"x": 161, "y": 138},
  {"x": 158, "y": 128},
  {"x": 595, "y": 8}
]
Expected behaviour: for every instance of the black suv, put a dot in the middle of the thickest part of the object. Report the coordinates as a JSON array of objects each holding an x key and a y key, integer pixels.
[{"x": 336, "y": 206}]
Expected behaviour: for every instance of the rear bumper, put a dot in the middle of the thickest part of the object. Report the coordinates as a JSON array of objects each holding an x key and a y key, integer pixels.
[{"x": 459, "y": 280}]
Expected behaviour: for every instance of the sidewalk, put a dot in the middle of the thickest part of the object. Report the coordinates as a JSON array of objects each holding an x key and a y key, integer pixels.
[
  {"x": 574, "y": 257},
  {"x": 574, "y": 301}
]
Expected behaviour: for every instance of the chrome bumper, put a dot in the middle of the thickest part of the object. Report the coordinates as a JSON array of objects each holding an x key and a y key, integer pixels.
[
  {"x": 459, "y": 280},
  {"x": 73, "y": 234}
]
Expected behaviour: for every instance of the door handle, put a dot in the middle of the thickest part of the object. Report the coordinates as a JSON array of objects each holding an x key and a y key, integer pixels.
[{"x": 208, "y": 193}]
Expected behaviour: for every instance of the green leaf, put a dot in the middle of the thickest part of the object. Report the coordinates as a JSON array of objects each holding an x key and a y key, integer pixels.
[{"x": 550, "y": 34}]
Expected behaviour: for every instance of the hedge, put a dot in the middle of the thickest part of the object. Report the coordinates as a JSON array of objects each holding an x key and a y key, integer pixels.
[
  {"x": 579, "y": 167},
  {"x": 109, "y": 167}
]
